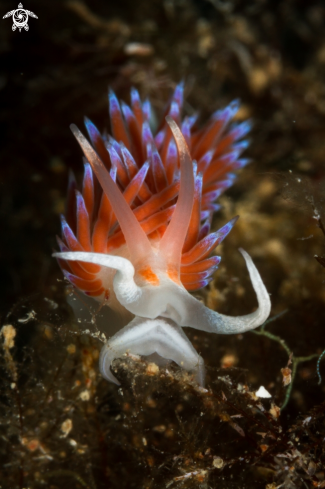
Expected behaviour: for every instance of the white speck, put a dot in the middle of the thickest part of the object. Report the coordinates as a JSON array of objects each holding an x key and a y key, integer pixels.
[
  {"x": 138, "y": 48},
  {"x": 52, "y": 304},
  {"x": 29, "y": 317},
  {"x": 262, "y": 392},
  {"x": 66, "y": 427},
  {"x": 84, "y": 395},
  {"x": 217, "y": 462},
  {"x": 306, "y": 421}
]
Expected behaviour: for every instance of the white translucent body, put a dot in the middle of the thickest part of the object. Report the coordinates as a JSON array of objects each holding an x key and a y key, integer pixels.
[
  {"x": 160, "y": 310},
  {"x": 167, "y": 306}
]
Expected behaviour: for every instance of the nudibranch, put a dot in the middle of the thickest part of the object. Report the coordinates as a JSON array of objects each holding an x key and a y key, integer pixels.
[{"x": 138, "y": 235}]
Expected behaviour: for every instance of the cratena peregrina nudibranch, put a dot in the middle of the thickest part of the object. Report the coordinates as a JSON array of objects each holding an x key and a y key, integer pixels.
[{"x": 140, "y": 238}]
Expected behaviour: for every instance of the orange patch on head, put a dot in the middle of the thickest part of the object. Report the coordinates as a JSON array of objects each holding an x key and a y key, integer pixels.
[
  {"x": 149, "y": 276},
  {"x": 173, "y": 274}
]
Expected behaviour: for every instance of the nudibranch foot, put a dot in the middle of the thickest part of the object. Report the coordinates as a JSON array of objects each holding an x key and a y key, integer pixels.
[{"x": 144, "y": 336}]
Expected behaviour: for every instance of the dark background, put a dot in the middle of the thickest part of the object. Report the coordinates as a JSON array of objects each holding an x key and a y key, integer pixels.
[{"x": 271, "y": 55}]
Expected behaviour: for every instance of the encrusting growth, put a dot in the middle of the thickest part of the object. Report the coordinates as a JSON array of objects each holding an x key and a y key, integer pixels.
[{"x": 141, "y": 238}]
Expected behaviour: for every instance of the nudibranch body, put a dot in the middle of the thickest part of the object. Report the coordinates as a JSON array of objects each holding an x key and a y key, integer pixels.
[{"x": 138, "y": 235}]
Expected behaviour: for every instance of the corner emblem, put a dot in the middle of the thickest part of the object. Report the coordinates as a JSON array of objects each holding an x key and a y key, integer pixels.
[{"x": 20, "y": 18}]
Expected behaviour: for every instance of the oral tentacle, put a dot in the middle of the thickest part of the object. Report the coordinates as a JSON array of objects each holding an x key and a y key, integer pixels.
[
  {"x": 147, "y": 301},
  {"x": 196, "y": 315},
  {"x": 125, "y": 288},
  {"x": 144, "y": 336}
]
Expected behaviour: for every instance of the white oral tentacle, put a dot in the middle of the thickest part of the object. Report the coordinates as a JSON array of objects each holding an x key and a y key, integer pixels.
[
  {"x": 196, "y": 315},
  {"x": 127, "y": 291},
  {"x": 145, "y": 301},
  {"x": 144, "y": 336}
]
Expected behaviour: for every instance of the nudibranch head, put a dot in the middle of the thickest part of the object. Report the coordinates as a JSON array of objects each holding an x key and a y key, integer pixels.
[{"x": 138, "y": 234}]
